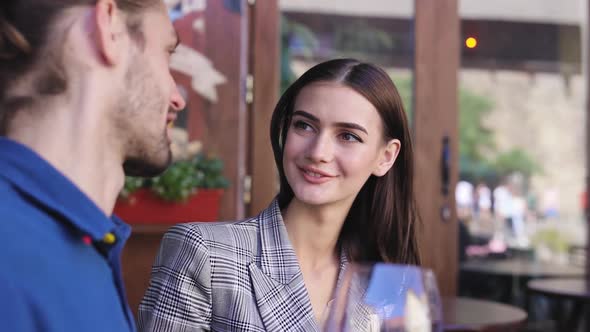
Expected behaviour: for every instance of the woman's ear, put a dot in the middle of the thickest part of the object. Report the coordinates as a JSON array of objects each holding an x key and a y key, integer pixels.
[{"x": 387, "y": 158}]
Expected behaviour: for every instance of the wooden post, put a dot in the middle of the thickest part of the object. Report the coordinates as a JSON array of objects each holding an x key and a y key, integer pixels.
[
  {"x": 436, "y": 117},
  {"x": 265, "y": 70},
  {"x": 226, "y": 47},
  {"x": 587, "y": 212}
]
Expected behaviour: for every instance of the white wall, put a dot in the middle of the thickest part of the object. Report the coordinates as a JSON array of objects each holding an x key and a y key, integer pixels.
[{"x": 550, "y": 11}]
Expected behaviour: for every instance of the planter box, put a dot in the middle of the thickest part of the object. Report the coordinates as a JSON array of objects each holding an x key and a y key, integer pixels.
[{"x": 143, "y": 207}]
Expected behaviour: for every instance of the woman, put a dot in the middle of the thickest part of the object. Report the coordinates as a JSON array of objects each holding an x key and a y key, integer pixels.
[{"x": 342, "y": 147}]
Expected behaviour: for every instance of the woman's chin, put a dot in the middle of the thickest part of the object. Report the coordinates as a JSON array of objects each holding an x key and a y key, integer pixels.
[{"x": 313, "y": 199}]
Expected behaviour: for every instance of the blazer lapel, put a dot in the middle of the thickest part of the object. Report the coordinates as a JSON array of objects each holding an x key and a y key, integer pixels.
[
  {"x": 358, "y": 315},
  {"x": 279, "y": 288}
]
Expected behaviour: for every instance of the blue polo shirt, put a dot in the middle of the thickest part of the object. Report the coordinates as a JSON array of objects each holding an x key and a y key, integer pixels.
[{"x": 60, "y": 253}]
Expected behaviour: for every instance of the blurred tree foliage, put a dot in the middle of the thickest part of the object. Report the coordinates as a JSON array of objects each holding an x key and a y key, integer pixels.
[
  {"x": 360, "y": 36},
  {"x": 516, "y": 160},
  {"x": 355, "y": 40},
  {"x": 300, "y": 37}
]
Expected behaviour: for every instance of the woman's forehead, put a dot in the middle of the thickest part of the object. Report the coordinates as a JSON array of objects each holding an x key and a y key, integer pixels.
[{"x": 328, "y": 99}]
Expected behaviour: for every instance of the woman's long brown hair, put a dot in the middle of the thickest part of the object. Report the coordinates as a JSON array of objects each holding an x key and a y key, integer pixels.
[{"x": 381, "y": 224}]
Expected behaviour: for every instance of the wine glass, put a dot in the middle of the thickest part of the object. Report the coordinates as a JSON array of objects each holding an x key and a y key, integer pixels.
[{"x": 385, "y": 297}]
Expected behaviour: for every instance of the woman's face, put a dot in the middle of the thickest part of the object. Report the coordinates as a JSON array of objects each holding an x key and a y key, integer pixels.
[{"x": 334, "y": 144}]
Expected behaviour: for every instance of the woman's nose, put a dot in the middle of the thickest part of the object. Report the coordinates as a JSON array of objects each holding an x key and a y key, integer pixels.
[{"x": 321, "y": 149}]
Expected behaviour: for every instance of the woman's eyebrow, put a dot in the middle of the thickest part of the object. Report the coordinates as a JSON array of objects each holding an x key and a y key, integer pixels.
[
  {"x": 348, "y": 125},
  {"x": 306, "y": 115}
]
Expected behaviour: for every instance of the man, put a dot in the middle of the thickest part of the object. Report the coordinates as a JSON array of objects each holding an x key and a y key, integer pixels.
[{"x": 86, "y": 96}]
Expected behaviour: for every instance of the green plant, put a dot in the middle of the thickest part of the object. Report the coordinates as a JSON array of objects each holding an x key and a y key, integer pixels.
[
  {"x": 516, "y": 160},
  {"x": 552, "y": 239},
  {"x": 476, "y": 140},
  {"x": 131, "y": 185},
  {"x": 181, "y": 180}
]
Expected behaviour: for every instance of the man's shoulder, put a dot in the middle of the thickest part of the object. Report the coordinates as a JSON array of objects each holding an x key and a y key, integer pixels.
[
  {"x": 17, "y": 313},
  {"x": 26, "y": 227},
  {"x": 7, "y": 192},
  {"x": 14, "y": 206}
]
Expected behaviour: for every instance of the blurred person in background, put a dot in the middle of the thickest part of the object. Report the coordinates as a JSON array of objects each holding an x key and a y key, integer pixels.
[
  {"x": 484, "y": 200},
  {"x": 550, "y": 203},
  {"x": 503, "y": 208},
  {"x": 519, "y": 213},
  {"x": 86, "y": 96},
  {"x": 464, "y": 197}
]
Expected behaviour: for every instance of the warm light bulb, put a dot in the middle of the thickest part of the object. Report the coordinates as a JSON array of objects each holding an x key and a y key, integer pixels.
[{"x": 471, "y": 42}]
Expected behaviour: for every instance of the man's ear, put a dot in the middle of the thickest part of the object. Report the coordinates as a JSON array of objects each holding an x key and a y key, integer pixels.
[
  {"x": 388, "y": 156},
  {"x": 109, "y": 28}
]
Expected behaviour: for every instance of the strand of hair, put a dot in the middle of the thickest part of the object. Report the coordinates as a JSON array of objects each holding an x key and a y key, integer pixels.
[{"x": 12, "y": 42}]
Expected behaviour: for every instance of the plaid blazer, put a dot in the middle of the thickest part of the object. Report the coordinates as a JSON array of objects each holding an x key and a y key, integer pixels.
[{"x": 238, "y": 276}]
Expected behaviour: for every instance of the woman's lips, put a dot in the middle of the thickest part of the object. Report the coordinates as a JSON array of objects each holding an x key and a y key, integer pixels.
[{"x": 315, "y": 176}]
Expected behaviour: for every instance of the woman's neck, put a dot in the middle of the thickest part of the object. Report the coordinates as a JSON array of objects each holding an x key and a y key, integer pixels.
[{"x": 313, "y": 231}]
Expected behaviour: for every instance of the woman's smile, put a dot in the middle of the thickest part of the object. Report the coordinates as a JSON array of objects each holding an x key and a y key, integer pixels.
[{"x": 315, "y": 176}]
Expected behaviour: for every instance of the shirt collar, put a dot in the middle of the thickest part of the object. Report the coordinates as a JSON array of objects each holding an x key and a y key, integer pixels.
[{"x": 35, "y": 178}]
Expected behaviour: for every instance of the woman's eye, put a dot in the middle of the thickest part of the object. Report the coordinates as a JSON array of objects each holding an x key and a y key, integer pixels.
[
  {"x": 350, "y": 137},
  {"x": 302, "y": 125}
]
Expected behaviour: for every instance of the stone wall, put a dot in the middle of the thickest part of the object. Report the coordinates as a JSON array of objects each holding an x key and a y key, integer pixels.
[{"x": 545, "y": 115}]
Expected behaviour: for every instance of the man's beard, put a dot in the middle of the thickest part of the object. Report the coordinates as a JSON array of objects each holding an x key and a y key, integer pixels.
[
  {"x": 150, "y": 155},
  {"x": 147, "y": 154},
  {"x": 138, "y": 166}
]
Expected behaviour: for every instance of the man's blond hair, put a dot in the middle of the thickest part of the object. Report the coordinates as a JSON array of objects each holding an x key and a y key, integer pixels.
[{"x": 28, "y": 49}]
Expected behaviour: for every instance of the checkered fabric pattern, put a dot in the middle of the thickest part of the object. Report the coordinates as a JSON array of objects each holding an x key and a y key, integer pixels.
[{"x": 230, "y": 276}]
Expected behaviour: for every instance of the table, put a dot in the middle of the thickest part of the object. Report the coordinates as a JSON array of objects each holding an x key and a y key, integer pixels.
[
  {"x": 465, "y": 314},
  {"x": 576, "y": 290},
  {"x": 514, "y": 273},
  {"x": 522, "y": 268}
]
